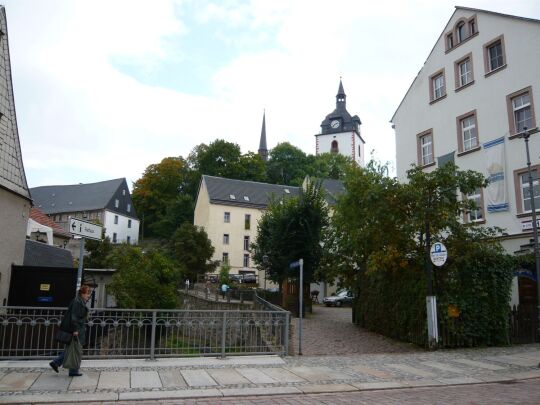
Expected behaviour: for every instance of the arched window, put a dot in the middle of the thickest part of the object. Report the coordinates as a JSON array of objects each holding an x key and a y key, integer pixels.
[
  {"x": 334, "y": 148},
  {"x": 460, "y": 30}
]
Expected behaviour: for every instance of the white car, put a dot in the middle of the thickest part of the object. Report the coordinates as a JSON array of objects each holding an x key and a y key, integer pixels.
[{"x": 342, "y": 298}]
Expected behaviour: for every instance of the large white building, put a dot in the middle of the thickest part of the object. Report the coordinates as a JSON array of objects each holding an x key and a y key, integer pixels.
[{"x": 470, "y": 100}]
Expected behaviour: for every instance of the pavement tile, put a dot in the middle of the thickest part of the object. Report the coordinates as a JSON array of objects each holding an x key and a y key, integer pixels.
[
  {"x": 318, "y": 373},
  {"x": 145, "y": 379},
  {"x": 227, "y": 376},
  {"x": 88, "y": 381},
  {"x": 282, "y": 375},
  {"x": 319, "y": 388},
  {"x": 17, "y": 381},
  {"x": 114, "y": 380},
  {"x": 515, "y": 360},
  {"x": 410, "y": 370},
  {"x": 198, "y": 378},
  {"x": 256, "y": 376},
  {"x": 443, "y": 366},
  {"x": 59, "y": 398},
  {"x": 494, "y": 377},
  {"x": 171, "y": 378},
  {"x": 525, "y": 374},
  {"x": 237, "y": 392},
  {"x": 479, "y": 364},
  {"x": 371, "y": 371},
  {"x": 212, "y": 392},
  {"x": 423, "y": 382},
  {"x": 459, "y": 380},
  {"x": 51, "y": 382},
  {"x": 379, "y": 385}
]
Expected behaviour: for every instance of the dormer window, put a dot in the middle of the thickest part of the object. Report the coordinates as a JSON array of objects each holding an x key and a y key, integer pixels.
[
  {"x": 287, "y": 191},
  {"x": 232, "y": 196},
  {"x": 246, "y": 198}
]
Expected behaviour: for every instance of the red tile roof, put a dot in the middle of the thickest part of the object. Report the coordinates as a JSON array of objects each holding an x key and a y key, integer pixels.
[{"x": 40, "y": 217}]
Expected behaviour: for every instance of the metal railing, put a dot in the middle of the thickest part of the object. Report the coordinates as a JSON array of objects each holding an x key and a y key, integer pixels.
[{"x": 28, "y": 332}]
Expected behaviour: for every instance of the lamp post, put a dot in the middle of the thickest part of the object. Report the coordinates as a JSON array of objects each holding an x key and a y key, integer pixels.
[
  {"x": 265, "y": 262},
  {"x": 525, "y": 135}
]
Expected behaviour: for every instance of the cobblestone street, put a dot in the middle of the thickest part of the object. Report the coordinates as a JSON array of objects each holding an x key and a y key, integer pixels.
[{"x": 329, "y": 331}]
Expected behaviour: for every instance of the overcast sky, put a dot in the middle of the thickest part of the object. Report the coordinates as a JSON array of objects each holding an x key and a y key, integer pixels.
[{"x": 104, "y": 88}]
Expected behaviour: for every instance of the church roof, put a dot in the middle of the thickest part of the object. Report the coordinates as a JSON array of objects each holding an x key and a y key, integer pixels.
[
  {"x": 346, "y": 121},
  {"x": 262, "y": 143}
]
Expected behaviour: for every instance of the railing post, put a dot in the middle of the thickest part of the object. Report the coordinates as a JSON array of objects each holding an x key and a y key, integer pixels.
[
  {"x": 153, "y": 338},
  {"x": 223, "y": 334},
  {"x": 286, "y": 339}
]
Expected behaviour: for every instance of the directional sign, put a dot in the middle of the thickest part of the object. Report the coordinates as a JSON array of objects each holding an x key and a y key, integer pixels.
[
  {"x": 294, "y": 264},
  {"x": 438, "y": 254},
  {"x": 84, "y": 228}
]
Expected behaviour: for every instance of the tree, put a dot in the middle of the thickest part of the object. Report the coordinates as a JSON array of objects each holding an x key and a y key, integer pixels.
[
  {"x": 191, "y": 248},
  {"x": 328, "y": 165},
  {"x": 253, "y": 168},
  {"x": 289, "y": 230},
  {"x": 286, "y": 165},
  {"x": 164, "y": 196},
  {"x": 219, "y": 158},
  {"x": 144, "y": 279},
  {"x": 98, "y": 253}
]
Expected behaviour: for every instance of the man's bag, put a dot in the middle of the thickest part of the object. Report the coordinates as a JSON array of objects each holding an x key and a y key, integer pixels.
[
  {"x": 63, "y": 337},
  {"x": 73, "y": 355}
]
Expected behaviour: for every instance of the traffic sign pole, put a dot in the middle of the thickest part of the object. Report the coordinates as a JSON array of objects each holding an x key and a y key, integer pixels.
[
  {"x": 301, "y": 306},
  {"x": 79, "y": 270}
]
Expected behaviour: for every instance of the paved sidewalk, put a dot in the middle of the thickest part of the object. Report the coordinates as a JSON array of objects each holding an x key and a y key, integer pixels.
[{"x": 125, "y": 380}]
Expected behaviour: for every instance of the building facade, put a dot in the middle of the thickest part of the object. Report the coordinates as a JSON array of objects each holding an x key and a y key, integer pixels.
[
  {"x": 340, "y": 132},
  {"x": 108, "y": 202},
  {"x": 15, "y": 200},
  {"x": 471, "y": 99}
]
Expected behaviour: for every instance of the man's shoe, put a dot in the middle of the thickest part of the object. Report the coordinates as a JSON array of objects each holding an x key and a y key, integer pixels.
[
  {"x": 54, "y": 366},
  {"x": 76, "y": 375}
]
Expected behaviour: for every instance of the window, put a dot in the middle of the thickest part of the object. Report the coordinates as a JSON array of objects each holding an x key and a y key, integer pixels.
[
  {"x": 437, "y": 89},
  {"x": 334, "y": 148},
  {"x": 128, "y": 240},
  {"x": 524, "y": 201},
  {"x": 225, "y": 258},
  {"x": 464, "y": 71},
  {"x": 225, "y": 238},
  {"x": 246, "y": 242},
  {"x": 520, "y": 110},
  {"x": 116, "y": 219},
  {"x": 472, "y": 26},
  {"x": 246, "y": 259},
  {"x": 425, "y": 148},
  {"x": 124, "y": 191},
  {"x": 247, "y": 222},
  {"x": 287, "y": 191},
  {"x": 232, "y": 196},
  {"x": 116, "y": 203},
  {"x": 449, "y": 41},
  {"x": 227, "y": 217},
  {"x": 467, "y": 127},
  {"x": 359, "y": 151},
  {"x": 494, "y": 55},
  {"x": 460, "y": 31},
  {"x": 129, "y": 208},
  {"x": 129, "y": 223},
  {"x": 476, "y": 214},
  {"x": 246, "y": 198},
  {"x": 114, "y": 237}
]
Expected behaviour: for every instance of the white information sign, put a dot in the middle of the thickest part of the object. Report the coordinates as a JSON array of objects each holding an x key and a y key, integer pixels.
[
  {"x": 84, "y": 228},
  {"x": 438, "y": 254}
]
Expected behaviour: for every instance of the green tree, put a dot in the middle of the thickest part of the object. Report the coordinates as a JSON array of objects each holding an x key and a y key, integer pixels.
[
  {"x": 219, "y": 158},
  {"x": 286, "y": 165},
  {"x": 164, "y": 196},
  {"x": 191, "y": 248},
  {"x": 328, "y": 165},
  {"x": 253, "y": 168},
  {"x": 289, "y": 230},
  {"x": 98, "y": 252},
  {"x": 144, "y": 279}
]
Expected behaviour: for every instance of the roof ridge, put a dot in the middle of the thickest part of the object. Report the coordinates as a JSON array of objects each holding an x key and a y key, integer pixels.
[
  {"x": 249, "y": 181},
  {"x": 80, "y": 184}
]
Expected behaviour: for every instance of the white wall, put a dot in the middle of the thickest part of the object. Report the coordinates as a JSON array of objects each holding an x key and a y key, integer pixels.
[
  {"x": 121, "y": 229},
  {"x": 345, "y": 144}
]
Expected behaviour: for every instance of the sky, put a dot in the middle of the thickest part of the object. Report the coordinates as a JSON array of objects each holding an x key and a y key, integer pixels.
[{"x": 104, "y": 88}]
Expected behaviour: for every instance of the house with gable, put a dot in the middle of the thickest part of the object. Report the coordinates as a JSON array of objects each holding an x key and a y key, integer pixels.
[
  {"x": 15, "y": 199},
  {"x": 107, "y": 202},
  {"x": 471, "y": 102}
]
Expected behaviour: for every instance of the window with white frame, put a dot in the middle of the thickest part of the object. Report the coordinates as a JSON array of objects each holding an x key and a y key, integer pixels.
[
  {"x": 476, "y": 213},
  {"x": 227, "y": 217},
  {"x": 425, "y": 148},
  {"x": 225, "y": 258},
  {"x": 246, "y": 242},
  {"x": 246, "y": 259},
  {"x": 494, "y": 55},
  {"x": 465, "y": 72},
  {"x": 116, "y": 203},
  {"x": 525, "y": 194},
  {"x": 225, "y": 238},
  {"x": 129, "y": 208},
  {"x": 468, "y": 133},
  {"x": 521, "y": 109},
  {"x": 437, "y": 83}
]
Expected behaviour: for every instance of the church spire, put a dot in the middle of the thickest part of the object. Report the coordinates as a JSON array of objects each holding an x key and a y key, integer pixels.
[
  {"x": 340, "y": 97},
  {"x": 263, "y": 151}
]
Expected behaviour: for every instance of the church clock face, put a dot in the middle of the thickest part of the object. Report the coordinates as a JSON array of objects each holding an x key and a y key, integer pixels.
[{"x": 334, "y": 124}]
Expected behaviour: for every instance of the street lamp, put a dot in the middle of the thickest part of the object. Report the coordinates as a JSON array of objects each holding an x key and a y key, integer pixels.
[
  {"x": 265, "y": 262},
  {"x": 525, "y": 135}
]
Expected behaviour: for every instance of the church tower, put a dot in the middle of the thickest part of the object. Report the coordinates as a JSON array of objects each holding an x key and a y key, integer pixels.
[
  {"x": 263, "y": 151},
  {"x": 340, "y": 133}
]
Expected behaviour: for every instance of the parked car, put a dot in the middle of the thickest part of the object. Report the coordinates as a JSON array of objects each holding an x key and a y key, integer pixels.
[
  {"x": 341, "y": 298},
  {"x": 249, "y": 278}
]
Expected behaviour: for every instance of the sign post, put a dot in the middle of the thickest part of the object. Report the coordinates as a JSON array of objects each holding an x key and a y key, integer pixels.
[
  {"x": 438, "y": 255},
  {"x": 84, "y": 229},
  {"x": 300, "y": 264}
]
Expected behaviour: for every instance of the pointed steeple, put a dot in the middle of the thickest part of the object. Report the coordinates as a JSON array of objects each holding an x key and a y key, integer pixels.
[
  {"x": 263, "y": 151},
  {"x": 340, "y": 97}
]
